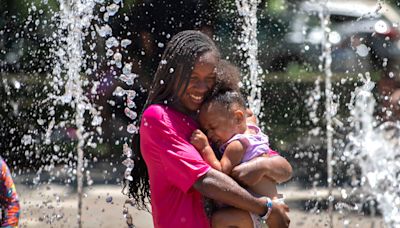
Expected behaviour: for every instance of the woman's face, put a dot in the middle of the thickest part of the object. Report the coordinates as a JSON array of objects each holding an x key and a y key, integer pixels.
[{"x": 202, "y": 80}]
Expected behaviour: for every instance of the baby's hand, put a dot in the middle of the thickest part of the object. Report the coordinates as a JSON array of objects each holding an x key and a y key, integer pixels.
[{"x": 199, "y": 140}]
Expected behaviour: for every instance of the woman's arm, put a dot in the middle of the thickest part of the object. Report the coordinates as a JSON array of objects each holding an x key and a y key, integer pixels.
[
  {"x": 276, "y": 168},
  {"x": 221, "y": 187}
]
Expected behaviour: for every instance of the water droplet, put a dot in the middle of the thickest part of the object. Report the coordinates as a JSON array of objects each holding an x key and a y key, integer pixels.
[
  {"x": 129, "y": 178},
  {"x": 125, "y": 43},
  {"x": 127, "y": 151},
  {"x": 130, "y": 103},
  {"x": 109, "y": 199},
  {"x": 40, "y": 121},
  {"x": 104, "y": 31},
  {"x": 106, "y": 16},
  {"x": 97, "y": 120},
  {"x": 132, "y": 129},
  {"x": 128, "y": 163},
  {"x": 131, "y": 94},
  {"x": 127, "y": 68},
  {"x": 17, "y": 84},
  {"x": 26, "y": 140},
  {"x": 112, "y": 42},
  {"x": 131, "y": 114},
  {"x": 127, "y": 174},
  {"x": 117, "y": 58},
  {"x": 109, "y": 53},
  {"x": 128, "y": 79},
  {"x": 112, "y": 9},
  {"x": 119, "y": 92},
  {"x": 362, "y": 50}
]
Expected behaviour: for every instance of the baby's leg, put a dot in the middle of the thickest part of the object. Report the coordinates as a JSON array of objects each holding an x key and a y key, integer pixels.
[
  {"x": 231, "y": 217},
  {"x": 265, "y": 187}
]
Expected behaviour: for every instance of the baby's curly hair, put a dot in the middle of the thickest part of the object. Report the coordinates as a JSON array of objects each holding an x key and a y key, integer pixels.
[
  {"x": 228, "y": 77},
  {"x": 227, "y": 90}
]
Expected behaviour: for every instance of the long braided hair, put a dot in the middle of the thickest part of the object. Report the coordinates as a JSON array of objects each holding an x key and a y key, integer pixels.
[{"x": 174, "y": 71}]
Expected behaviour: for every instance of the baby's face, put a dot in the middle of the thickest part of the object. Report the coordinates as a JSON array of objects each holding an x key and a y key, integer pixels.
[{"x": 218, "y": 123}]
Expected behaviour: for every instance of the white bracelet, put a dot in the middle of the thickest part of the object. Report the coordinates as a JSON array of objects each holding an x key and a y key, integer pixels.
[{"x": 268, "y": 204}]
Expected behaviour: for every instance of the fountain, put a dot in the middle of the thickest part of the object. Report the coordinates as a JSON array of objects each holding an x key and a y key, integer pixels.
[
  {"x": 247, "y": 10},
  {"x": 366, "y": 142},
  {"x": 370, "y": 141},
  {"x": 71, "y": 111}
]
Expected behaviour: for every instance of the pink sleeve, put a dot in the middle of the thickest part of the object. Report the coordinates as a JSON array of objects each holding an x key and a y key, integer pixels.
[
  {"x": 272, "y": 152},
  {"x": 182, "y": 164}
]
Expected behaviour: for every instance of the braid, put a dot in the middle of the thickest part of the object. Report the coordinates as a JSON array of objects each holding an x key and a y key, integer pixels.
[
  {"x": 173, "y": 72},
  {"x": 177, "y": 64}
]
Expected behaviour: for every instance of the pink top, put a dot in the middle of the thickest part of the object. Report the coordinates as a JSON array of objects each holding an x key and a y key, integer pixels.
[{"x": 174, "y": 165}]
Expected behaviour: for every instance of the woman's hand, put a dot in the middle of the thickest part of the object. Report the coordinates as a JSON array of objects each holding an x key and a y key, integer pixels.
[
  {"x": 279, "y": 217},
  {"x": 248, "y": 173},
  {"x": 199, "y": 140},
  {"x": 275, "y": 168}
]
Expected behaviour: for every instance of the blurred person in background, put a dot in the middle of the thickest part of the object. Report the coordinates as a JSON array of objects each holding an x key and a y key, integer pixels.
[
  {"x": 389, "y": 90},
  {"x": 9, "y": 202},
  {"x": 154, "y": 23}
]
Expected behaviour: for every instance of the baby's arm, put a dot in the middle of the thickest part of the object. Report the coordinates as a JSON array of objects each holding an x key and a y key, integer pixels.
[
  {"x": 200, "y": 142},
  {"x": 233, "y": 154}
]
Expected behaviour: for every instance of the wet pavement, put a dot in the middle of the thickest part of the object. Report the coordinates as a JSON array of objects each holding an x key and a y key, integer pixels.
[{"x": 54, "y": 205}]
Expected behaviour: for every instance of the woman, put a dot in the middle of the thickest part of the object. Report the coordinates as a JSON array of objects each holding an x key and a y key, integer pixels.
[{"x": 178, "y": 176}]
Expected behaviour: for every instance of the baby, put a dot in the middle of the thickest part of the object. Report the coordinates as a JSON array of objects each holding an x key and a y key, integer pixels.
[{"x": 224, "y": 118}]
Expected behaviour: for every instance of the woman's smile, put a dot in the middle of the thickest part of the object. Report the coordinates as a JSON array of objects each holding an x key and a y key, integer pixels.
[{"x": 197, "y": 98}]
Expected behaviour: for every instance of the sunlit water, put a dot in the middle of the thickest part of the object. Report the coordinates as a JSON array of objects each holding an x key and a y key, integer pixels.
[
  {"x": 69, "y": 81},
  {"x": 372, "y": 146},
  {"x": 75, "y": 18},
  {"x": 247, "y": 10},
  {"x": 375, "y": 147}
]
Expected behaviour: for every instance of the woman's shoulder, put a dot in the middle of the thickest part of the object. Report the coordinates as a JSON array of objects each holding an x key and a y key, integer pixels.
[
  {"x": 158, "y": 112},
  {"x": 154, "y": 115},
  {"x": 155, "y": 111}
]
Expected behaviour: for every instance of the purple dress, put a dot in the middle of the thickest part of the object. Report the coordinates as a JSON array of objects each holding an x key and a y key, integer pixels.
[{"x": 256, "y": 144}]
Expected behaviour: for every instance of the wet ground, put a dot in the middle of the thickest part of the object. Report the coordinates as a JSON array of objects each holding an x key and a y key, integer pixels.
[{"x": 55, "y": 205}]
